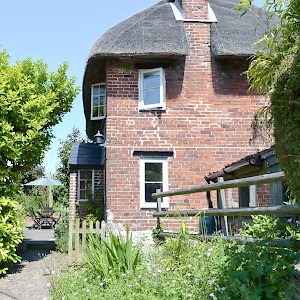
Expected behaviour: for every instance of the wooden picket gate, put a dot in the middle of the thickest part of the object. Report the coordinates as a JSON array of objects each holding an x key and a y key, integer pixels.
[{"x": 78, "y": 233}]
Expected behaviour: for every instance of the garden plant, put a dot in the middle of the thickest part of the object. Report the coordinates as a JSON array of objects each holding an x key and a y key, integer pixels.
[{"x": 181, "y": 267}]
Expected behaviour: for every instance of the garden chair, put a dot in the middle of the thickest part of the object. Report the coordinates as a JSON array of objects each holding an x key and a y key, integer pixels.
[
  {"x": 56, "y": 220},
  {"x": 36, "y": 220}
]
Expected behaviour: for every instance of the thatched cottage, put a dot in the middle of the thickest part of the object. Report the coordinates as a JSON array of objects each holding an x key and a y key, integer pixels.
[{"x": 167, "y": 91}]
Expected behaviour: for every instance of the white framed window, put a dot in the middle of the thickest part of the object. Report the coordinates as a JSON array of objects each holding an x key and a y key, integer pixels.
[
  {"x": 152, "y": 89},
  {"x": 153, "y": 177},
  {"x": 98, "y": 101},
  {"x": 85, "y": 184}
]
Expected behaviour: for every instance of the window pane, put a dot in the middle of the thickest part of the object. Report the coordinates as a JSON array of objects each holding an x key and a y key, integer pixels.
[
  {"x": 102, "y": 100},
  {"x": 152, "y": 96},
  {"x": 102, "y": 89},
  {"x": 95, "y": 112},
  {"x": 151, "y": 80},
  {"x": 95, "y": 90},
  {"x": 153, "y": 172},
  {"x": 85, "y": 174},
  {"x": 151, "y": 188},
  {"x": 95, "y": 101},
  {"x": 82, "y": 185},
  {"x": 83, "y": 195},
  {"x": 101, "y": 111}
]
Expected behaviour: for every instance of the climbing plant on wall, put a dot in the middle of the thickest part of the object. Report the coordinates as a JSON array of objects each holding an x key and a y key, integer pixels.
[{"x": 274, "y": 72}]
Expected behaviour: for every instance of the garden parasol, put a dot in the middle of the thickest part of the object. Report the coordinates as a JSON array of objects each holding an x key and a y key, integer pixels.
[{"x": 46, "y": 181}]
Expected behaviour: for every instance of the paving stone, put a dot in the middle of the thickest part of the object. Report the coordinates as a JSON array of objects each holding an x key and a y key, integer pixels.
[{"x": 29, "y": 279}]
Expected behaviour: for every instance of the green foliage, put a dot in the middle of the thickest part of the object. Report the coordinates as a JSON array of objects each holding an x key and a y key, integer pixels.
[
  {"x": 10, "y": 233},
  {"x": 257, "y": 271},
  {"x": 114, "y": 255},
  {"x": 32, "y": 101},
  {"x": 185, "y": 268},
  {"x": 62, "y": 232},
  {"x": 61, "y": 193},
  {"x": 274, "y": 71},
  {"x": 285, "y": 103},
  {"x": 35, "y": 201},
  {"x": 156, "y": 231},
  {"x": 94, "y": 207},
  {"x": 265, "y": 227}
]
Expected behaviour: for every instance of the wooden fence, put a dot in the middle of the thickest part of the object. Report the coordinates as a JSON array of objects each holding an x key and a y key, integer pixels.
[
  {"x": 225, "y": 212},
  {"x": 78, "y": 233}
]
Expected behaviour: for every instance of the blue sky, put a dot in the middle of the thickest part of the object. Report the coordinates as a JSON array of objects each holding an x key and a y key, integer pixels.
[{"x": 58, "y": 31}]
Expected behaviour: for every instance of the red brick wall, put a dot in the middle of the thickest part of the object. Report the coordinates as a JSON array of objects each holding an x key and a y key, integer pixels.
[
  {"x": 195, "y": 9},
  {"x": 77, "y": 208},
  {"x": 206, "y": 124},
  {"x": 263, "y": 195}
]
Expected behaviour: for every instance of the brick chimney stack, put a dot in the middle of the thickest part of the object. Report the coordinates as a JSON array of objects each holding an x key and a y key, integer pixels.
[{"x": 194, "y": 9}]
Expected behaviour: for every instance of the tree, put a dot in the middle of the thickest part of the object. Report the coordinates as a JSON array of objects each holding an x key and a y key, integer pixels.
[
  {"x": 62, "y": 193},
  {"x": 274, "y": 72},
  {"x": 32, "y": 101}
]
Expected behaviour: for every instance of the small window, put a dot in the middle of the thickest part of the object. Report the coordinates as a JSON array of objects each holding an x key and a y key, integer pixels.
[
  {"x": 152, "y": 89},
  {"x": 153, "y": 177},
  {"x": 98, "y": 101},
  {"x": 85, "y": 184}
]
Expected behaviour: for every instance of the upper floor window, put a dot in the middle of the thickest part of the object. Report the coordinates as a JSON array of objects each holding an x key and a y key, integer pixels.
[
  {"x": 98, "y": 101},
  {"x": 85, "y": 184},
  {"x": 152, "y": 89},
  {"x": 153, "y": 178}
]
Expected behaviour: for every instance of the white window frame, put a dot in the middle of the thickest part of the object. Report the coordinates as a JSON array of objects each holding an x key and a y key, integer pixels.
[
  {"x": 165, "y": 200},
  {"x": 104, "y": 111},
  {"x": 78, "y": 184},
  {"x": 162, "y": 90}
]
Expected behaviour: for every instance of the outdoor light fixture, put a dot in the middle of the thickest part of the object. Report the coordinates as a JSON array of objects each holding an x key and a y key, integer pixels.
[{"x": 99, "y": 138}]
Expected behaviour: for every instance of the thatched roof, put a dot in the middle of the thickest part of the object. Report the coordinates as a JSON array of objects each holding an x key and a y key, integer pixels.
[
  {"x": 156, "y": 32},
  {"x": 153, "y": 31},
  {"x": 233, "y": 34}
]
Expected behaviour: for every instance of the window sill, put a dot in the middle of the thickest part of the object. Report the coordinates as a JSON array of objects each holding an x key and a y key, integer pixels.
[
  {"x": 154, "y": 208},
  {"x": 97, "y": 119},
  {"x": 152, "y": 110}
]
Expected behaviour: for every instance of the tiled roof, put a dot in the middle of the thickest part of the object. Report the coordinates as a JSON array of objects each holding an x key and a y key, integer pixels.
[{"x": 86, "y": 156}]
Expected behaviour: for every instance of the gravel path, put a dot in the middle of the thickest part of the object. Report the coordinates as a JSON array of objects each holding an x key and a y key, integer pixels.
[{"x": 30, "y": 279}]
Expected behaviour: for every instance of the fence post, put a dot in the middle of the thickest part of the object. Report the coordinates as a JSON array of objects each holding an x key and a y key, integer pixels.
[
  {"x": 222, "y": 204},
  {"x": 77, "y": 228},
  {"x": 103, "y": 230},
  {"x": 83, "y": 234},
  {"x": 98, "y": 227},
  {"x": 158, "y": 208},
  {"x": 70, "y": 242}
]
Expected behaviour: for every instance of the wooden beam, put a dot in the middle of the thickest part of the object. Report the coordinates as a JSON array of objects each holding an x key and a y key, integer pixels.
[
  {"x": 272, "y": 243},
  {"x": 243, "y": 211},
  {"x": 273, "y": 177}
]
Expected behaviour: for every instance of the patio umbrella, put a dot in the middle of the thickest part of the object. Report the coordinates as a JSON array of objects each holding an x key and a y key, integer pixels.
[{"x": 46, "y": 181}]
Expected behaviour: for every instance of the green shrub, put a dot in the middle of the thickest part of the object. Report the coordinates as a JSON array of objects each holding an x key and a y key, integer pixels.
[
  {"x": 62, "y": 232},
  {"x": 10, "y": 233},
  {"x": 265, "y": 227},
  {"x": 35, "y": 201},
  {"x": 257, "y": 271},
  {"x": 115, "y": 254}
]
